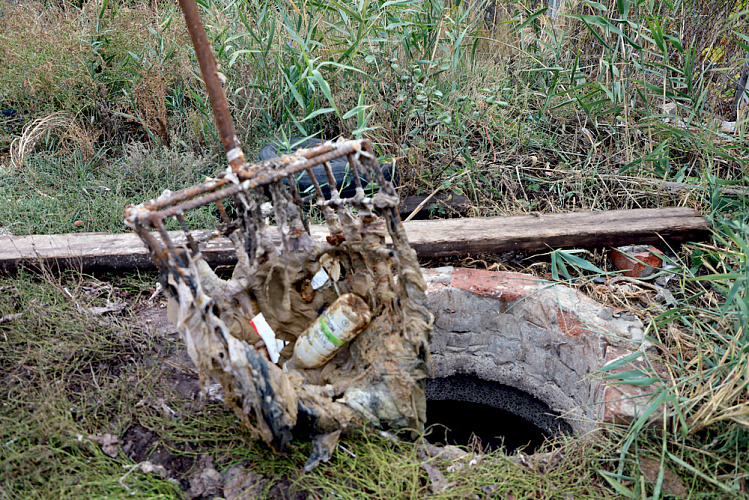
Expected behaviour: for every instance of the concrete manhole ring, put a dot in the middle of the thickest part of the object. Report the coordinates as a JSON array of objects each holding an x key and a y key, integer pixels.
[{"x": 543, "y": 339}]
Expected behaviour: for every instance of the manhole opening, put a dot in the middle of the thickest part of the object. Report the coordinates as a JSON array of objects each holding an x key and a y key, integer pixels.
[{"x": 466, "y": 411}]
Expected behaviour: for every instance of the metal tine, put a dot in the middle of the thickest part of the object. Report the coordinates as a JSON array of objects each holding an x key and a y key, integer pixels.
[
  {"x": 375, "y": 169},
  {"x": 360, "y": 198},
  {"x": 158, "y": 223},
  {"x": 249, "y": 215},
  {"x": 376, "y": 180},
  {"x": 298, "y": 200},
  {"x": 276, "y": 195},
  {"x": 228, "y": 226},
  {"x": 371, "y": 178},
  {"x": 352, "y": 161},
  {"x": 279, "y": 199},
  {"x": 290, "y": 215},
  {"x": 157, "y": 249},
  {"x": 330, "y": 216},
  {"x": 208, "y": 237},
  {"x": 187, "y": 194},
  {"x": 392, "y": 217},
  {"x": 370, "y": 162},
  {"x": 318, "y": 190},
  {"x": 222, "y": 212},
  {"x": 334, "y": 196},
  {"x": 186, "y": 230}
]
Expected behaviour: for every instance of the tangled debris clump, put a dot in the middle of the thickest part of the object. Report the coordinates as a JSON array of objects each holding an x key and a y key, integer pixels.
[{"x": 242, "y": 331}]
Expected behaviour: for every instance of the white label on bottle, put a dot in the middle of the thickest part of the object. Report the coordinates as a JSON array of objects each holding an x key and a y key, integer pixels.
[
  {"x": 326, "y": 337},
  {"x": 319, "y": 279},
  {"x": 263, "y": 329}
]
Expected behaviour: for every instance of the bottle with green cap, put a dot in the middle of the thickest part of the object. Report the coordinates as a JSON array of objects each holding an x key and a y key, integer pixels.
[{"x": 336, "y": 327}]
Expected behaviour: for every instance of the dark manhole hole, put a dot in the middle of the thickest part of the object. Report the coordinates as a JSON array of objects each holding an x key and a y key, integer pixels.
[{"x": 463, "y": 409}]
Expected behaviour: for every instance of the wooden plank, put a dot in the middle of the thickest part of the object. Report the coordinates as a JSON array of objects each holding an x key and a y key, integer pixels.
[
  {"x": 432, "y": 238},
  {"x": 455, "y": 237}
]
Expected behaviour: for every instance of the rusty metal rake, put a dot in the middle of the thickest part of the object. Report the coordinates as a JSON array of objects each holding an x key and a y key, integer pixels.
[{"x": 378, "y": 378}]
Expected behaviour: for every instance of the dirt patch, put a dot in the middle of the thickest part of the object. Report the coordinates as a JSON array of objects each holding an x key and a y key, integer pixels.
[
  {"x": 240, "y": 482},
  {"x": 141, "y": 444}
]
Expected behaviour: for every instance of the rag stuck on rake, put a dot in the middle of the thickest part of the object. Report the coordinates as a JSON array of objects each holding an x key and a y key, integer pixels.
[{"x": 308, "y": 339}]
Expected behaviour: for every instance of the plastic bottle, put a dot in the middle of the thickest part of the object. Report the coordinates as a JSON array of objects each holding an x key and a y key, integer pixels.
[{"x": 337, "y": 326}]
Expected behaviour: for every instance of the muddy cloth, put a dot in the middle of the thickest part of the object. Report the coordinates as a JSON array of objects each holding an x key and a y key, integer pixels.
[{"x": 377, "y": 379}]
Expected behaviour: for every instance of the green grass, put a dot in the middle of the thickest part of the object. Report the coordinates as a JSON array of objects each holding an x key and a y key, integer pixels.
[
  {"x": 65, "y": 378},
  {"x": 517, "y": 114},
  {"x": 69, "y": 376},
  {"x": 66, "y": 193}
]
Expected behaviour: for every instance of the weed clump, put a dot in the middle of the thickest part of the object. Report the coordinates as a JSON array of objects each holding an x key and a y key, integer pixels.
[{"x": 105, "y": 64}]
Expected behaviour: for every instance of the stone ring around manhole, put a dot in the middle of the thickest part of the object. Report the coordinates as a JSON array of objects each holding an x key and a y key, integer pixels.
[{"x": 515, "y": 359}]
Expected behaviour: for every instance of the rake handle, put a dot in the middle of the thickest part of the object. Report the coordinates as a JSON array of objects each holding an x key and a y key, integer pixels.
[{"x": 209, "y": 69}]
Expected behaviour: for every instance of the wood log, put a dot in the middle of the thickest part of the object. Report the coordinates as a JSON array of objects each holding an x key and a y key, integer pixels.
[
  {"x": 451, "y": 203},
  {"x": 677, "y": 187},
  {"x": 431, "y": 238}
]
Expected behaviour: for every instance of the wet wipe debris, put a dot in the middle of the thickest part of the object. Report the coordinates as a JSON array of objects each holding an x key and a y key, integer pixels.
[{"x": 308, "y": 340}]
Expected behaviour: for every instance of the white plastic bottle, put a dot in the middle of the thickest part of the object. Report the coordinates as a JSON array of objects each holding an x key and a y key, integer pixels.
[{"x": 337, "y": 326}]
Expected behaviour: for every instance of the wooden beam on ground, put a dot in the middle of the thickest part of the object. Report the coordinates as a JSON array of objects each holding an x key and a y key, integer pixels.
[
  {"x": 431, "y": 238},
  {"x": 448, "y": 203}
]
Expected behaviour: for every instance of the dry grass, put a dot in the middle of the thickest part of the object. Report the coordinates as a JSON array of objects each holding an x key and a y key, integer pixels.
[
  {"x": 62, "y": 124},
  {"x": 103, "y": 63}
]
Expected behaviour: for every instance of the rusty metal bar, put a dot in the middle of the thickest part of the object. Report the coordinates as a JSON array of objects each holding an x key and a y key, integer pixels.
[
  {"x": 222, "y": 212},
  {"x": 353, "y": 164},
  {"x": 208, "y": 237},
  {"x": 185, "y": 194},
  {"x": 332, "y": 184},
  {"x": 152, "y": 214},
  {"x": 252, "y": 176},
  {"x": 253, "y": 180},
  {"x": 342, "y": 150},
  {"x": 330, "y": 151},
  {"x": 316, "y": 184},
  {"x": 209, "y": 69},
  {"x": 203, "y": 200},
  {"x": 157, "y": 250},
  {"x": 188, "y": 235}
]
